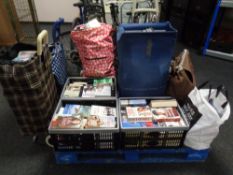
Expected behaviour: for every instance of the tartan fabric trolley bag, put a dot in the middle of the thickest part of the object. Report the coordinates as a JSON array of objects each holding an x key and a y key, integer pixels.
[{"x": 30, "y": 89}]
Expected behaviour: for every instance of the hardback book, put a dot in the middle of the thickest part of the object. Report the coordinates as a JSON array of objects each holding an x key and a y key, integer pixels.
[
  {"x": 166, "y": 114},
  {"x": 163, "y": 103}
]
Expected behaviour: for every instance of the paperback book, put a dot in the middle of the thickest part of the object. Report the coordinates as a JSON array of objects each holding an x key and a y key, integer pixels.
[
  {"x": 65, "y": 122},
  {"x": 88, "y": 91},
  {"x": 103, "y": 90},
  {"x": 166, "y": 114},
  {"x": 139, "y": 114},
  {"x": 85, "y": 117},
  {"x": 163, "y": 103},
  {"x": 74, "y": 89}
]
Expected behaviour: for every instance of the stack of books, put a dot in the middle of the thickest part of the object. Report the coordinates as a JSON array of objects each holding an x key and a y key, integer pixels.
[
  {"x": 154, "y": 113},
  {"x": 99, "y": 88},
  {"x": 84, "y": 117}
]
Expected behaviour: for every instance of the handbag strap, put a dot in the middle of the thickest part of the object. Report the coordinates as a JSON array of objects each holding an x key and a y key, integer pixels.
[
  {"x": 183, "y": 64},
  {"x": 183, "y": 56},
  {"x": 203, "y": 84},
  {"x": 56, "y": 31}
]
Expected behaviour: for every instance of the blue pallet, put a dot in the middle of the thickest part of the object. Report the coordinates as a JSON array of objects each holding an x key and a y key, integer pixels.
[
  {"x": 144, "y": 58},
  {"x": 133, "y": 156}
]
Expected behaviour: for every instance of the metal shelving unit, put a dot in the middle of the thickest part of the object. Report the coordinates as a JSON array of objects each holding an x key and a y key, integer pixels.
[{"x": 215, "y": 53}]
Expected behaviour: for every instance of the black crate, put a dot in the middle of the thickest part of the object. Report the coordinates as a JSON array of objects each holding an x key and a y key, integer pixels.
[
  {"x": 151, "y": 138},
  {"x": 86, "y": 139},
  {"x": 86, "y": 142}
]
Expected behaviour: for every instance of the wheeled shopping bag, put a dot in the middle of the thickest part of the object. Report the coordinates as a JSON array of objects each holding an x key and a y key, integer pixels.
[
  {"x": 59, "y": 67},
  {"x": 144, "y": 56},
  {"x": 96, "y": 49},
  {"x": 30, "y": 89}
]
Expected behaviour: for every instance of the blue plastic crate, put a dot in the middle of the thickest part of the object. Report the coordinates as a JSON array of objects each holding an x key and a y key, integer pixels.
[
  {"x": 133, "y": 156},
  {"x": 144, "y": 58}
]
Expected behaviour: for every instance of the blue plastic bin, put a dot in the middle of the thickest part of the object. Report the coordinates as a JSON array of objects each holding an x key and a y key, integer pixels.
[{"x": 144, "y": 58}]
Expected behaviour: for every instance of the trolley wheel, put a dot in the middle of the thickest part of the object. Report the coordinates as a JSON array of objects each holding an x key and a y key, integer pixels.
[
  {"x": 34, "y": 138},
  {"x": 48, "y": 141}
]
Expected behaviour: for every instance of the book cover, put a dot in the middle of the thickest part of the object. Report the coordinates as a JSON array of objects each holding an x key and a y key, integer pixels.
[
  {"x": 103, "y": 81},
  {"x": 85, "y": 111},
  {"x": 131, "y": 125},
  {"x": 163, "y": 103},
  {"x": 103, "y": 90},
  {"x": 176, "y": 124},
  {"x": 124, "y": 102},
  {"x": 108, "y": 121},
  {"x": 72, "y": 91},
  {"x": 61, "y": 111},
  {"x": 77, "y": 84},
  {"x": 171, "y": 124},
  {"x": 71, "y": 109},
  {"x": 66, "y": 109},
  {"x": 65, "y": 122},
  {"x": 144, "y": 112},
  {"x": 77, "y": 110},
  {"x": 132, "y": 112},
  {"x": 137, "y": 102},
  {"x": 94, "y": 121},
  {"x": 88, "y": 91},
  {"x": 103, "y": 110},
  {"x": 139, "y": 114},
  {"x": 166, "y": 114}
]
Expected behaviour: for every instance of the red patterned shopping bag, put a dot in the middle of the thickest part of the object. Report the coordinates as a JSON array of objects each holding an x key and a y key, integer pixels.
[{"x": 96, "y": 49}]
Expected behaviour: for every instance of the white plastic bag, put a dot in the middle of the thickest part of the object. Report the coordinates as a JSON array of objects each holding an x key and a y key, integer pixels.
[{"x": 213, "y": 115}]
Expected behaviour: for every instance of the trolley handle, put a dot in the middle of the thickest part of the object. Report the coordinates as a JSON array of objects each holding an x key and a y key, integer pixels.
[{"x": 42, "y": 39}]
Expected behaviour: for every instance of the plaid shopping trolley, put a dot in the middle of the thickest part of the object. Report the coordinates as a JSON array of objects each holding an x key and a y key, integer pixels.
[{"x": 30, "y": 89}]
